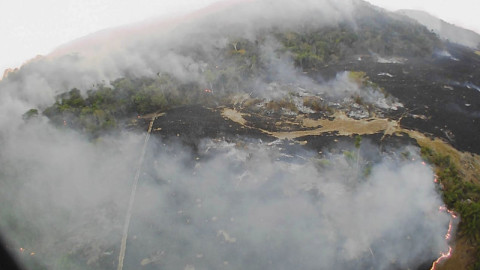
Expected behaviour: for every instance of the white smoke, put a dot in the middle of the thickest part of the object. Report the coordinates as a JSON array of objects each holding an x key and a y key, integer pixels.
[{"x": 63, "y": 195}]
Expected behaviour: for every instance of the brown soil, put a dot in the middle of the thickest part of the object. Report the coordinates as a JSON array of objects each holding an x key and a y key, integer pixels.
[{"x": 341, "y": 124}]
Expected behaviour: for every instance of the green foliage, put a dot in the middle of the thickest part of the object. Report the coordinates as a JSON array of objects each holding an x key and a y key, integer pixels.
[
  {"x": 358, "y": 76},
  {"x": 358, "y": 141},
  {"x": 367, "y": 171},
  {"x": 104, "y": 109},
  {"x": 239, "y": 64},
  {"x": 314, "y": 48},
  {"x": 322, "y": 163},
  {"x": 458, "y": 194},
  {"x": 72, "y": 99},
  {"x": 470, "y": 211},
  {"x": 30, "y": 114}
]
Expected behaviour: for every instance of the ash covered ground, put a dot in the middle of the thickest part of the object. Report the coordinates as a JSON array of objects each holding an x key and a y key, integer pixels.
[
  {"x": 296, "y": 145},
  {"x": 441, "y": 95}
]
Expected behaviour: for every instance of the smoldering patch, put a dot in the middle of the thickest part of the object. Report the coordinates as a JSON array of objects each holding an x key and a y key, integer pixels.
[{"x": 249, "y": 208}]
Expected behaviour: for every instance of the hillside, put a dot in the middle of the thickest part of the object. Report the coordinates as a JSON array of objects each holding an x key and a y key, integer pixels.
[
  {"x": 255, "y": 134},
  {"x": 445, "y": 30}
]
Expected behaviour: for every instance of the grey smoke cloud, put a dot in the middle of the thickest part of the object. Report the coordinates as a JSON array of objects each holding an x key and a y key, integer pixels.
[
  {"x": 237, "y": 208},
  {"x": 58, "y": 187},
  {"x": 146, "y": 54},
  {"x": 243, "y": 208}
]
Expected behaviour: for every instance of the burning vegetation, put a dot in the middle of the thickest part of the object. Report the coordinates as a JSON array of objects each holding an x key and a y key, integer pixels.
[{"x": 299, "y": 142}]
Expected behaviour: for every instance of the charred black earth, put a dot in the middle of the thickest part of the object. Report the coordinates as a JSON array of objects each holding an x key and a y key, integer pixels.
[
  {"x": 190, "y": 125},
  {"x": 250, "y": 135},
  {"x": 441, "y": 94}
]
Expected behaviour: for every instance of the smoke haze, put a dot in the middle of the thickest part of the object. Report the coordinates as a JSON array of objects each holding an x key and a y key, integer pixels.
[{"x": 227, "y": 206}]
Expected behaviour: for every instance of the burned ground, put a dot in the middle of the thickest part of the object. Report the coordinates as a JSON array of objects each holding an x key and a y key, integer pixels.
[
  {"x": 191, "y": 124},
  {"x": 441, "y": 94},
  {"x": 223, "y": 184}
]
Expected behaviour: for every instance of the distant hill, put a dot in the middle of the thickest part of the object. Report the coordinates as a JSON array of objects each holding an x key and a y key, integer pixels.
[{"x": 444, "y": 29}]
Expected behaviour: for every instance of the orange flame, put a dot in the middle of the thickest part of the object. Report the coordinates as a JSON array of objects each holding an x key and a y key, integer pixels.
[
  {"x": 443, "y": 257},
  {"x": 448, "y": 236}
]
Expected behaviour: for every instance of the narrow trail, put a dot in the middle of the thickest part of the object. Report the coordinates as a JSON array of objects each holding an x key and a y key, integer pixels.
[{"x": 123, "y": 245}]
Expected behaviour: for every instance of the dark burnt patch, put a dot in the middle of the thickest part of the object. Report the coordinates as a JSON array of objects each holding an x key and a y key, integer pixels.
[
  {"x": 334, "y": 143},
  {"x": 191, "y": 124},
  {"x": 441, "y": 94}
]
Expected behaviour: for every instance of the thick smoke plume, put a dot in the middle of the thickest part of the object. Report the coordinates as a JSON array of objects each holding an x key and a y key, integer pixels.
[
  {"x": 174, "y": 48},
  {"x": 226, "y": 206},
  {"x": 242, "y": 206},
  {"x": 246, "y": 208}
]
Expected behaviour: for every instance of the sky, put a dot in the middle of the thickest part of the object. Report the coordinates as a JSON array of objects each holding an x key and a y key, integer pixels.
[{"x": 32, "y": 27}]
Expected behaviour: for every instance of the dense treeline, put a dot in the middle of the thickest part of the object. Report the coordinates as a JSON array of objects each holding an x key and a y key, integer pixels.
[
  {"x": 379, "y": 34},
  {"x": 105, "y": 107}
]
